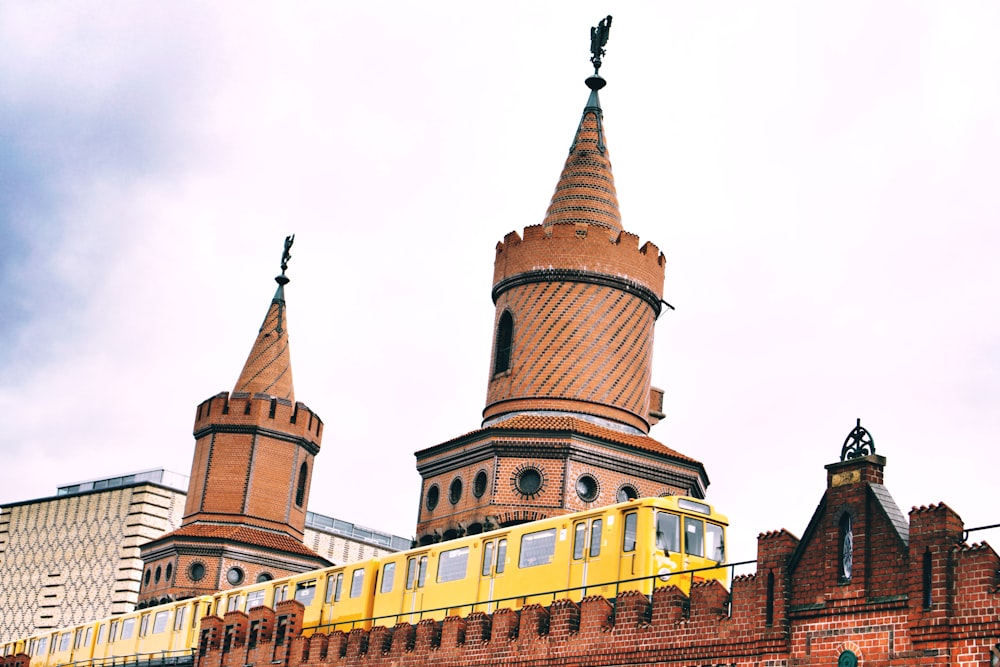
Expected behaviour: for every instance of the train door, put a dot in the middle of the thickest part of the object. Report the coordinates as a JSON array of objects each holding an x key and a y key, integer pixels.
[
  {"x": 413, "y": 593},
  {"x": 490, "y": 570},
  {"x": 584, "y": 568}
]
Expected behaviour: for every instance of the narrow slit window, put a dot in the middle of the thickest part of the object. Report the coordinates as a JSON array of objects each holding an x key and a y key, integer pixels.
[{"x": 505, "y": 340}]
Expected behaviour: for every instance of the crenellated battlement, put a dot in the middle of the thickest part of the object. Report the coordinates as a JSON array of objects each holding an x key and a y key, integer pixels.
[
  {"x": 261, "y": 410},
  {"x": 580, "y": 247}
]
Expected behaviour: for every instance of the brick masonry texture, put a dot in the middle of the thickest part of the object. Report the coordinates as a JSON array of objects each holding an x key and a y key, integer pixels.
[{"x": 933, "y": 602}]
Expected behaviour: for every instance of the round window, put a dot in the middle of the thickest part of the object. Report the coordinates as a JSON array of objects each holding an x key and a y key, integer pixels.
[
  {"x": 264, "y": 576},
  {"x": 587, "y": 488},
  {"x": 146, "y": 579},
  {"x": 170, "y": 571},
  {"x": 234, "y": 576},
  {"x": 156, "y": 577},
  {"x": 196, "y": 572},
  {"x": 479, "y": 484},
  {"x": 626, "y": 493},
  {"x": 433, "y": 495},
  {"x": 529, "y": 481},
  {"x": 455, "y": 491}
]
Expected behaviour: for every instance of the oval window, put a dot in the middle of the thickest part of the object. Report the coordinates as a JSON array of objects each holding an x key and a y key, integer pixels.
[
  {"x": 433, "y": 495},
  {"x": 587, "y": 488}
]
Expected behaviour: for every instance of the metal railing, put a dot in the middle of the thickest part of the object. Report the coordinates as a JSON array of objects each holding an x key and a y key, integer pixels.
[
  {"x": 179, "y": 658},
  {"x": 965, "y": 533},
  {"x": 517, "y": 601}
]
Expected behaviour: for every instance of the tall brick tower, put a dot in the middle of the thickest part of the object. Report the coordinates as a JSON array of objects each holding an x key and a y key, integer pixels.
[
  {"x": 569, "y": 402},
  {"x": 253, "y": 460}
]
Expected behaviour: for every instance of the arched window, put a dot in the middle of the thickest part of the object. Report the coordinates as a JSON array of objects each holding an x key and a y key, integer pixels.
[
  {"x": 505, "y": 340},
  {"x": 846, "y": 547},
  {"x": 300, "y": 491}
]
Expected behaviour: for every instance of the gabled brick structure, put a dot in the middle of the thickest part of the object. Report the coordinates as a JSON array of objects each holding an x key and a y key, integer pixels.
[
  {"x": 914, "y": 594},
  {"x": 246, "y": 503},
  {"x": 569, "y": 399}
]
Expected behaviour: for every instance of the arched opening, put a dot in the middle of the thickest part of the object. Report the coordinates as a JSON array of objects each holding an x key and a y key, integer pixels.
[
  {"x": 927, "y": 579},
  {"x": 300, "y": 489},
  {"x": 505, "y": 341}
]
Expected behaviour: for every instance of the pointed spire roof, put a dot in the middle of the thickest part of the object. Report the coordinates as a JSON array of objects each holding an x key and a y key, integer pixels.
[
  {"x": 586, "y": 189},
  {"x": 268, "y": 369}
]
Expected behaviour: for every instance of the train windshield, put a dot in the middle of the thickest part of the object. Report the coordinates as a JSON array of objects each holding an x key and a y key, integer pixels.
[
  {"x": 668, "y": 532},
  {"x": 715, "y": 544}
]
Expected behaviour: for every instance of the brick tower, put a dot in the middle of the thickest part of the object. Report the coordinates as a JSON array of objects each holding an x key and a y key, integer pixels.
[
  {"x": 569, "y": 402},
  {"x": 253, "y": 460}
]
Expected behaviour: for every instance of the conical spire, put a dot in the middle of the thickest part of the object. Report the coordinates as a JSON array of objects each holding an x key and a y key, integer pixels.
[
  {"x": 586, "y": 189},
  {"x": 268, "y": 369}
]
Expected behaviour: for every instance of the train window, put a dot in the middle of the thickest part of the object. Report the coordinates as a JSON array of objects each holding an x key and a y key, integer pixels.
[
  {"x": 694, "y": 536},
  {"x": 305, "y": 591},
  {"x": 160, "y": 621},
  {"x": 357, "y": 583},
  {"x": 128, "y": 628},
  {"x": 628, "y": 543},
  {"x": 234, "y": 603},
  {"x": 501, "y": 555},
  {"x": 421, "y": 571},
  {"x": 43, "y": 644},
  {"x": 144, "y": 625},
  {"x": 78, "y": 639},
  {"x": 715, "y": 547},
  {"x": 179, "y": 617},
  {"x": 113, "y": 633},
  {"x": 337, "y": 587},
  {"x": 255, "y": 599},
  {"x": 453, "y": 564},
  {"x": 487, "y": 559},
  {"x": 411, "y": 572},
  {"x": 101, "y": 630},
  {"x": 595, "y": 538},
  {"x": 579, "y": 540},
  {"x": 89, "y": 639},
  {"x": 537, "y": 548},
  {"x": 280, "y": 594},
  {"x": 55, "y": 644},
  {"x": 64, "y": 641},
  {"x": 388, "y": 574},
  {"x": 668, "y": 532}
]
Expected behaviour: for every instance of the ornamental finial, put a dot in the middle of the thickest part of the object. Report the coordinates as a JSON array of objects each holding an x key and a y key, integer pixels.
[
  {"x": 859, "y": 443},
  {"x": 598, "y": 39}
]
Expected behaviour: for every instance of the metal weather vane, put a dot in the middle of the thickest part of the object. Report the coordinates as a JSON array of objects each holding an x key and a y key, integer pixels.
[
  {"x": 598, "y": 39},
  {"x": 286, "y": 254}
]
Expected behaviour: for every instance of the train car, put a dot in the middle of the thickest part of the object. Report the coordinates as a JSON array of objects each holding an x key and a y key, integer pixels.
[{"x": 637, "y": 545}]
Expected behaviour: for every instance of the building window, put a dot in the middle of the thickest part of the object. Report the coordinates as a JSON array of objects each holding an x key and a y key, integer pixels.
[
  {"x": 264, "y": 576},
  {"x": 433, "y": 495},
  {"x": 145, "y": 580},
  {"x": 846, "y": 548},
  {"x": 479, "y": 484},
  {"x": 234, "y": 576},
  {"x": 927, "y": 579},
  {"x": 300, "y": 491},
  {"x": 528, "y": 481},
  {"x": 626, "y": 493},
  {"x": 455, "y": 491},
  {"x": 505, "y": 340},
  {"x": 196, "y": 572},
  {"x": 156, "y": 577},
  {"x": 170, "y": 572},
  {"x": 587, "y": 488}
]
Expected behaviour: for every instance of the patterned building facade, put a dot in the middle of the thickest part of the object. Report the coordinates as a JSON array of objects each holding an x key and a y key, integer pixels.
[
  {"x": 75, "y": 556},
  {"x": 569, "y": 399}
]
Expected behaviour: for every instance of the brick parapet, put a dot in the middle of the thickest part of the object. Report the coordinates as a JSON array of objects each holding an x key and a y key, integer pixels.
[
  {"x": 260, "y": 410},
  {"x": 583, "y": 248}
]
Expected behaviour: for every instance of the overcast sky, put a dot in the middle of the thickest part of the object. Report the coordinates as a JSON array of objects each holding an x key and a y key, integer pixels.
[{"x": 822, "y": 178}]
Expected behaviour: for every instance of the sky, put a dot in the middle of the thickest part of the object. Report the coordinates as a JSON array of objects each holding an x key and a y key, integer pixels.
[{"x": 821, "y": 177}]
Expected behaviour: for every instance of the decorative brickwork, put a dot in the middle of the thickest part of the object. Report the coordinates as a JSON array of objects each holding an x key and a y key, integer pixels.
[
  {"x": 245, "y": 514},
  {"x": 917, "y": 596},
  {"x": 569, "y": 399}
]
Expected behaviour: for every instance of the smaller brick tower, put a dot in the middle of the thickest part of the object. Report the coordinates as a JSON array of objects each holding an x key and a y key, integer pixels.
[
  {"x": 569, "y": 399},
  {"x": 246, "y": 503}
]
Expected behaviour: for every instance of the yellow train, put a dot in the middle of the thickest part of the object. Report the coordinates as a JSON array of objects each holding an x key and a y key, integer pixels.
[{"x": 637, "y": 545}]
